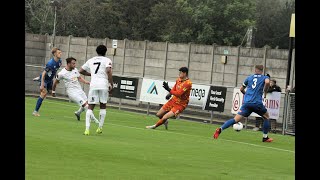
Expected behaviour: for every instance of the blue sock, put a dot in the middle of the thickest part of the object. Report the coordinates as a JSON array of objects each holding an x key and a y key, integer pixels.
[
  {"x": 266, "y": 126},
  {"x": 228, "y": 123},
  {"x": 39, "y": 102}
]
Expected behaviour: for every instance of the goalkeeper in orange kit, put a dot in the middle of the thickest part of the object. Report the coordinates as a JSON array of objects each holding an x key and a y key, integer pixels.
[{"x": 178, "y": 102}]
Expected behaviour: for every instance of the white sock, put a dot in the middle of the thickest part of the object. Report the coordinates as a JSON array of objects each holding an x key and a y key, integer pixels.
[
  {"x": 102, "y": 114},
  {"x": 88, "y": 115},
  {"x": 265, "y": 135}
]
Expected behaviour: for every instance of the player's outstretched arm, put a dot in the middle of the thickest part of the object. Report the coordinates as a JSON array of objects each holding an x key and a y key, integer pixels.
[
  {"x": 110, "y": 79},
  {"x": 83, "y": 80},
  {"x": 84, "y": 72},
  {"x": 181, "y": 91},
  {"x": 53, "y": 92}
]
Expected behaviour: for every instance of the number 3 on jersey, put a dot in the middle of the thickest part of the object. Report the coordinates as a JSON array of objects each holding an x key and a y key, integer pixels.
[
  {"x": 97, "y": 63},
  {"x": 254, "y": 83}
]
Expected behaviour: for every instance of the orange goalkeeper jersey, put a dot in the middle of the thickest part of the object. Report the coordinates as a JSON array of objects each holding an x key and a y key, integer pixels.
[{"x": 181, "y": 91}]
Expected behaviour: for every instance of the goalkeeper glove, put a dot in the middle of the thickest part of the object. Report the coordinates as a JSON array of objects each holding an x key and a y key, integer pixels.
[
  {"x": 168, "y": 96},
  {"x": 166, "y": 86}
]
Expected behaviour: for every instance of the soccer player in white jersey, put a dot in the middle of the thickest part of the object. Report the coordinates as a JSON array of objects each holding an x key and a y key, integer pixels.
[
  {"x": 71, "y": 77},
  {"x": 100, "y": 70}
]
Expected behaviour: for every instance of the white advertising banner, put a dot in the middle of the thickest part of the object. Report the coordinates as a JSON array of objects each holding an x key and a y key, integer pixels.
[
  {"x": 153, "y": 92},
  {"x": 271, "y": 102}
]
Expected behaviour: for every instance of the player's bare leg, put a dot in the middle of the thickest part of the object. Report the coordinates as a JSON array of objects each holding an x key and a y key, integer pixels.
[
  {"x": 162, "y": 120},
  {"x": 43, "y": 94},
  {"x": 160, "y": 114},
  {"x": 228, "y": 123}
]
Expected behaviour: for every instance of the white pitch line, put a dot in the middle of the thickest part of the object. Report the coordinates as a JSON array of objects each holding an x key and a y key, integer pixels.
[{"x": 279, "y": 149}]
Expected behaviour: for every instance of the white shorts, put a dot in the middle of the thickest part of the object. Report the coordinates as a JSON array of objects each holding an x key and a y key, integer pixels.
[
  {"x": 78, "y": 97},
  {"x": 98, "y": 96}
]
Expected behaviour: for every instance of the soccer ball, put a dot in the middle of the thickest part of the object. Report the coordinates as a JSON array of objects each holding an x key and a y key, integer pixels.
[{"x": 238, "y": 126}]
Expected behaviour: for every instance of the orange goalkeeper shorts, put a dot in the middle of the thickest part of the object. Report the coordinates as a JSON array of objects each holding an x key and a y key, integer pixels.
[{"x": 174, "y": 107}]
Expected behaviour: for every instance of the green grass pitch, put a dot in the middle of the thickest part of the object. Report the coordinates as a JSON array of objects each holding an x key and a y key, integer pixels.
[{"x": 55, "y": 148}]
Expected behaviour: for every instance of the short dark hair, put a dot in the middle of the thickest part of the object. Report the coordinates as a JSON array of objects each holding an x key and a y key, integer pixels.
[
  {"x": 101, "y": 50},
  {"x": 69, "y": 59},
  {"x": 184, "y": 69}
]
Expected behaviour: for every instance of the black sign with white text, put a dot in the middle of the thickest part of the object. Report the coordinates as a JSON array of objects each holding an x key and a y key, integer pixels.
[
  {"x": 216, "y": 98},
  {"x": 124, "y": 87}
]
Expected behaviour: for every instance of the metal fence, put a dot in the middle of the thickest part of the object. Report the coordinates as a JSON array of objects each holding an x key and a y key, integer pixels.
[{"x": 289, "y": 118}]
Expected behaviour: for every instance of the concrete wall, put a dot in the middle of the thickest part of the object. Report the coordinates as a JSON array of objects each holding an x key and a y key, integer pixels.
[{"x": 161, "y": 60}]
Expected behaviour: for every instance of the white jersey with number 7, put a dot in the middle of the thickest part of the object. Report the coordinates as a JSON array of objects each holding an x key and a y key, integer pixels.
[{"x": 97, "y": 67}]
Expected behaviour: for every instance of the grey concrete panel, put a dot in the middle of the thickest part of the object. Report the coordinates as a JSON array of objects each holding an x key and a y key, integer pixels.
[
  {"x": 230, "y": 68},
  {"x": 78, "y": 48},
  {"x": 246, "y": 70},
  {"x": 92, "y": 49},
  {"x": 204, "y": 58},
  {"x": 277, "y": 54},
  {"x": 277, "y": 63},
  {"x": 135, "y": 53},
  {"x": 116, "y": 67},
  {"x": 119, "y": 52},
  {"x": 132, "y": 69},
  {"x": 35, "y": 45},
  {"x": 89, "y": 56},
  {"x": 199, "y": 66},
  {"x": 63, "y": 47},
  {"x": 134, "y": 61},
  {"x": 78, "y": 56},
  {"x": 131, "y": 74},
  {"x": 177, "y": 47},
  {"x": 155, "y": 63},
  {"x": 32, "y": 72},
  {"x": 36, "y": 60},
  {"x": 117, "y": 59},
  {"x": 95, "y": 41},
  {"x": 201, "y": 49},
  {"x": 61, "y": 40},
  {"x": 176, "y": 64},
  {"x": 182, "y": 56},
  {"x": 250, "y": 61},
  {"x": 154, "y": 71},
  {"x": 217, "y": 77},
  {"x": 229, "y": 79},
  {"x": 77, "y": 41},
  {"x": 219, "y": 68},
  {"x": 153, "y": 76},
  {"x": 231, "y": 60},
  {"x": 200, "y": 76},
  {"x": 156, "y": 46},
  {"x": 34, "y": 52},
  {"x": 252, "y": 52},
  {"x": 241, "y": 78},
  {"x": 135, "y": 44},
  {"x": 277, "y": 73},
  {"x": 155, "y": 54}
]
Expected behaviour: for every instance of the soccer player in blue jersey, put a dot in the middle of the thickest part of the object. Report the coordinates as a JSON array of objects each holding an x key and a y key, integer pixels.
[
  {"x": 254, "y": 87},
  {"x": 46, "y": 77}
]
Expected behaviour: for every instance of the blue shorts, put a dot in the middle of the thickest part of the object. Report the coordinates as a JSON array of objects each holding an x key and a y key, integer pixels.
[
  {"x": 47, "y": 85},
  {"x": 247, "y": 108}
]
